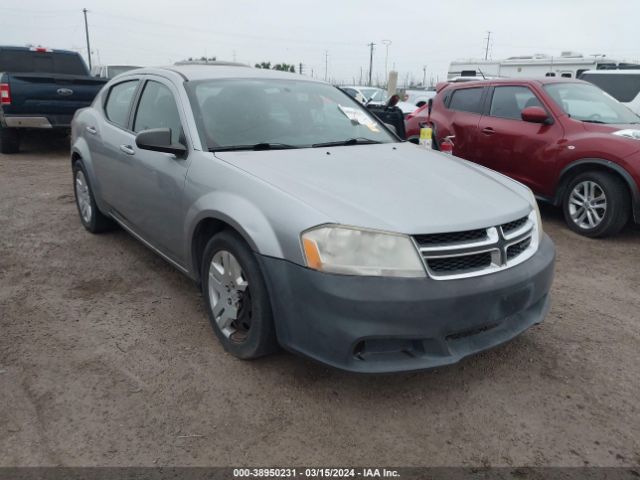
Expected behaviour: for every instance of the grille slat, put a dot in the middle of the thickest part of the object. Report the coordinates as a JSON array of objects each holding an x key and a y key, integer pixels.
[
  {"x": 513, "y": 226},
  {"x": 459, "y": 264},
  {"x": 452, "y": 237},
  {"x": 516, "y": 249}
]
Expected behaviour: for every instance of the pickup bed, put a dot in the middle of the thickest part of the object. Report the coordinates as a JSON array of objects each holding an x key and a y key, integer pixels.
[{"x": 41, "y": 88}]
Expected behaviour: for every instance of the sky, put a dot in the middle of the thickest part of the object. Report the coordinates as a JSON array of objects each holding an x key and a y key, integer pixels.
[{"x": 420, "y": 37}]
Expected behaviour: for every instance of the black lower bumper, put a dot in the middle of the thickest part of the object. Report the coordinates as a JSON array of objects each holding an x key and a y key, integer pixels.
[{"x": 374, "y": 324}]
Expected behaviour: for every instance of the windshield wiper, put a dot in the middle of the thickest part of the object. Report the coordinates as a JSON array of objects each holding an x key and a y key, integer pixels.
[
  {"x": 256, "y": 146},
  {"x": 350, "y": 141},
  {"x": 594, "y": 121}
]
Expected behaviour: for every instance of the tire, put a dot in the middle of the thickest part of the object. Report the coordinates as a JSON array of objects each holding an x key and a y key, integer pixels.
[
  {"x": 92, "y": 219},
  {"x": 9, "y": 140},
  {"x": 608, "y": 205},
  {"x": 252, "y": 333}
]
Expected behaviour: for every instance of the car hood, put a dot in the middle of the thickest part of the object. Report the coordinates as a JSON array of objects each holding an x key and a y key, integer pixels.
[
  {"x": 609, "y": 127},
  {"x": 397, "y": 187}
]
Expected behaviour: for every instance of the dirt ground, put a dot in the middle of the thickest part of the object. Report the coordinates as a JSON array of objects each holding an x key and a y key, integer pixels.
[{"x": 107, "y": 358}]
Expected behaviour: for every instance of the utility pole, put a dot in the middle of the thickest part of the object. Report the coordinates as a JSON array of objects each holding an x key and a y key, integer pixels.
[
  {"x": 424, "y": 76},
  {"x": 326, "y": 64},
  {"x": 486, "y": 50},
  {"x": 86, "y": 31},
  {"x": 300, "y": 71},
  {"x": 371, "y": 45},
  {"x": 386, "y": 60}
]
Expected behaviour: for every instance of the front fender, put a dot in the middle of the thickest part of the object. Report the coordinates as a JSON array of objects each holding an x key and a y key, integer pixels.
[{"x": 241, "y": 214}]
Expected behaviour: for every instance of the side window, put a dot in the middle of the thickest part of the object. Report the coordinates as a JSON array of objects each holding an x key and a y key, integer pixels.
[
  {"x": 466, "y": 100},
  {"x": 157, "y": 109},
  {"x": 508, "y": 102},
  {"x": 119, "y": 101}
]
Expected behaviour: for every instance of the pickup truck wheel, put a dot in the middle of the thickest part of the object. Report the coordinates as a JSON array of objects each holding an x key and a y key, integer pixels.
[
  {"x": 236, "y": 297},
  {"x": 91, "y": 217},
  {"x": 596, "y": 204},
  {"x": 9, "y": 140}
]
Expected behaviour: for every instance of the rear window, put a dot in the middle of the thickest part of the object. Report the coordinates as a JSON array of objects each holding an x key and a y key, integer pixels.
[
  {"x": 466, "y": 100},
  {"x": 26, "y": 61},
  {"x": 623, "y": 87}
]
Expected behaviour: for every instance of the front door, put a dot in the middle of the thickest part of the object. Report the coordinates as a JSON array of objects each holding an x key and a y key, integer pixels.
[
  {"x": 522, "y": 150},
  {"x": 156, "y": 180}
]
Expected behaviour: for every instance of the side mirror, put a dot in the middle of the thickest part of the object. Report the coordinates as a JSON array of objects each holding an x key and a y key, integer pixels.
[
  {"x": 159, "y": 140},
  {"x": 535, "y": 115}
]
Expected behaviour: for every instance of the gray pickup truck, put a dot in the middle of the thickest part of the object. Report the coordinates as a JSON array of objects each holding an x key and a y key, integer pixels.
[{"x": 41, "y": 88}]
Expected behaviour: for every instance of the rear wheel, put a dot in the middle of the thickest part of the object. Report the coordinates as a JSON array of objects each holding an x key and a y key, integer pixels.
[
  {"x": 91, "y": 217},
  {"x": 596, "y": 204},
  {"x": 9, "y": 140},
  {"x": 236, "y": 296}
]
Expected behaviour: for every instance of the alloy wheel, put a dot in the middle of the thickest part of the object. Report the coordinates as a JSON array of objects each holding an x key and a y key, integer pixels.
[
  {"x": 229, "y": 296},
  {"x": 587, "y": 204},
  {"x": 83, "y": 196}
]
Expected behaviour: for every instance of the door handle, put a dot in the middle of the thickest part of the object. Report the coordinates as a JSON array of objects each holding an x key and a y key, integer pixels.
[
  {"x": 92, "y": 130},
  {"x": 128, "y": 149},
  {"x": 488, "y": 131}
]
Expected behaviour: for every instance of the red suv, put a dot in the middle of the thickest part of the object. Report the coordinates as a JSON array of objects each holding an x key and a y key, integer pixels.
[{"x": 570, "y": 142}]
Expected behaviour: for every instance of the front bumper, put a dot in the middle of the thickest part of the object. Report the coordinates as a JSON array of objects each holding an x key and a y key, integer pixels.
[{"x": 381, "y": 324}]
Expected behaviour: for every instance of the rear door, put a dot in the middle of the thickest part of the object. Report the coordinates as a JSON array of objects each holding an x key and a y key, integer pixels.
[
  {"x": 108, "y": 137},
  {"x": 464, "y": 111},
  {"x": 522, "y": 150}
]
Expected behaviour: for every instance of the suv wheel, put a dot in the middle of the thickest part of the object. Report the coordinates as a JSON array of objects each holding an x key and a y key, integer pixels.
[
  {"x": 236, "y": 296},
  {"x": 92, "y": 219},
  {"x": 9, "y": 140},
  {"x": 596, "y": 204}
]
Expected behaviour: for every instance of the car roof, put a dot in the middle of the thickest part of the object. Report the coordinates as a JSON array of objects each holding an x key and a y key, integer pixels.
[
  {"x": 515, "y": 81},
  {"x": 218, "y": 70},
  {"x": 632, "y": 71},
  {"x": 30, "y": 49}
]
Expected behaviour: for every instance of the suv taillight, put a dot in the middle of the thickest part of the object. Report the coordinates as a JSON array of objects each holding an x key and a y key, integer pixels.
[{"x": 5, "y": 94}]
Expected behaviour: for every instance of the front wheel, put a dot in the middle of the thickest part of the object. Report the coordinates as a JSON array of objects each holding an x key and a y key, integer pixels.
[
  {"x": 236, "y": 296},
  {"x": 596, "y": 204}
]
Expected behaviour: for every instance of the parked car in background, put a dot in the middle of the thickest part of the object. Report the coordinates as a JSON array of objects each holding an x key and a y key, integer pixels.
[
  {"x": 110, "y": 71},
  {"x": 41, "y": 88},
  {"x": 623, "y": 85},
  {"x": 307, "y": 223},
  {"x": 574, "y": 145},
  {"x": 418, "y": 98},
  {"x": 374, "y": 95}
]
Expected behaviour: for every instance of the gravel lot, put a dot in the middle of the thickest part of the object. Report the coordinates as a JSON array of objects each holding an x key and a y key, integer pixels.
[{"x": 107, "y": 358}]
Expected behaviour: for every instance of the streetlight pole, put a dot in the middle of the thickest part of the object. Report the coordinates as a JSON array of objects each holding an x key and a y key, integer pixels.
[
  {"x": 86, "y": 31},
  {"x": 386, "y": 43},
  {"x": 371, "y": 45}
]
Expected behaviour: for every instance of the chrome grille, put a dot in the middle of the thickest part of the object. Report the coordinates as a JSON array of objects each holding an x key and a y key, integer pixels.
[{"x": 476, "y": 252}]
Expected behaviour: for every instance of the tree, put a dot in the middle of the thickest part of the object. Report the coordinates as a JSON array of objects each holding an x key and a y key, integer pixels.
[{"x": 283, "y": 67}]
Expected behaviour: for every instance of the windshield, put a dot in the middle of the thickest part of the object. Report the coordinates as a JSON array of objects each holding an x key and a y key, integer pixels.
[
  {"x": 288, "y": 113},
  {"x": 589, "y": 104}
]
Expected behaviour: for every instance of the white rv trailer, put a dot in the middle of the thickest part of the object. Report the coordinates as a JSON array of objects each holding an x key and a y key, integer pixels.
[{"x": 568, "y": 64}]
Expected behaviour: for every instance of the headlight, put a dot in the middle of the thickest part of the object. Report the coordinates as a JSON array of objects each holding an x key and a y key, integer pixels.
[
  {"x": 536, "y": 209},
  {"x": 354, "y": 251},
  {"x": 628, "y": 133}
]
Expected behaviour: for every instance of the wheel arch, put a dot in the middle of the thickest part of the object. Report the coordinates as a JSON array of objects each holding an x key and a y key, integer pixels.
[{"x": 601, "y": 165}]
